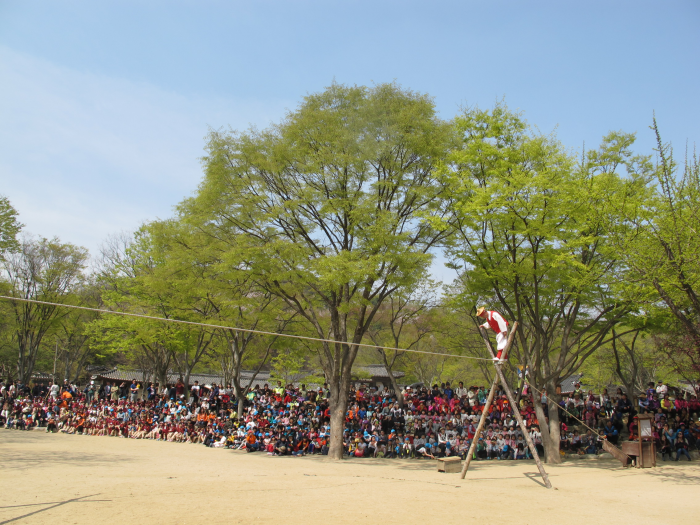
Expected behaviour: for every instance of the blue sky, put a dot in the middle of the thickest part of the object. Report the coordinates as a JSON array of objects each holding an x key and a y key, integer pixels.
[{"x": 104, "y": 105}]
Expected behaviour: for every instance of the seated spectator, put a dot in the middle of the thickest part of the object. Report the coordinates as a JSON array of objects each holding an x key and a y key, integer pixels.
[
  {"x": 251, "y": 442},
  {"x": 576, "y": 444},
  {"x": 666, "y": 448},
  {"x": 610, "y": 432},
  {"x": 681, "y": 447},
  {"x": 294, "y": 421}
]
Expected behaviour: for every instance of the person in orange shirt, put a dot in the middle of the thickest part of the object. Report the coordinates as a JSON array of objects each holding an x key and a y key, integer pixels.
[{"x": 251, "y": 442}]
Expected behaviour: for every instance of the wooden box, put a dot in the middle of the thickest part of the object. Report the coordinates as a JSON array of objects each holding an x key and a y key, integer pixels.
[{"x": 449, "y": 465}]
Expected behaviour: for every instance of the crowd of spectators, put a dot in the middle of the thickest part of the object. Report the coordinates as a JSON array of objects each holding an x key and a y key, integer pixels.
[
  {"x": 433, "y": 422},
  {"x": 675, "y": 427}
]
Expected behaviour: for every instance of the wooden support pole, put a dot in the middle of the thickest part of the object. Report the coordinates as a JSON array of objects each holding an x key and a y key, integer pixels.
[
  {"x": 480, "y": 427},
  {"x": 485, "y": 410},
  {"x": 516, "y": 411}
]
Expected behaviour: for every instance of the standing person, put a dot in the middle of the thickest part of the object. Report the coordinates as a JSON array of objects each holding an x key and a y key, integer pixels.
[
  {"x": 151, "y": 392},
  {"x": 460, "y": 391},
  {"x": 6, "y": 410},
  {"x": 90, "y": 391},
  {"x": 661, "y": 389},
  {"x": 171, "y": 392},
  {"x": 179, "y": 389},
  {"x": 498, "y": 324},
  {"x": 107, "y": 391},
  {"x": 134, "y": 390},
  {"x": 54, "y": 391},
  {"x": 194, "y": 392}
]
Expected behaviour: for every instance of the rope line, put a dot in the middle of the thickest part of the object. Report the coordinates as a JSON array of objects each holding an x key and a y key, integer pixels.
[{"x": 143, "y": 316}]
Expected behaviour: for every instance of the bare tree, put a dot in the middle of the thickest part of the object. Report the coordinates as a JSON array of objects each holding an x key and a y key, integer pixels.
[
  {"x": 73, "y": 336},
  {"x": 402, "y": 323}
]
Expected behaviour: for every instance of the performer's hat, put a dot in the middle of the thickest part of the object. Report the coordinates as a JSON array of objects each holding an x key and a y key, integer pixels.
[{"x": 480, "y": 311}]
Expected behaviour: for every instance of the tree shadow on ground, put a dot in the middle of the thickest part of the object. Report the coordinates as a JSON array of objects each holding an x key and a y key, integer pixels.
[
  {"x": 21, "y": 436},
  {"x": 478, "y": 470},
  {"x": 26, "y": 460},
  {"x": 16, "y": 458},
  {"x": 51, "y": 505},
  {"x": 675, "y": 474}
]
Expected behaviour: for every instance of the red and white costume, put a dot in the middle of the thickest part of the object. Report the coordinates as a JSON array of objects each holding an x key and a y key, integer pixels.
[{"x": 498, "y": 324}]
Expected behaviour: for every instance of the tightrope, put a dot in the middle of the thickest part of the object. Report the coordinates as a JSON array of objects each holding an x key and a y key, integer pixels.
[{"x": 246, "y": 330}]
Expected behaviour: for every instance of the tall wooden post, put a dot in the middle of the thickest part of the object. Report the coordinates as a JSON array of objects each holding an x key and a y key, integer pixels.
[
  {"x": 516, "y": 411},
  {"x": 485, "y": 410},
  {"x": 480, "y": 427}
]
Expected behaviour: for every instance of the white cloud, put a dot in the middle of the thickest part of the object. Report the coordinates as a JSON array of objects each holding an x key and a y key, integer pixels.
[{"x": 84, "y": 155}]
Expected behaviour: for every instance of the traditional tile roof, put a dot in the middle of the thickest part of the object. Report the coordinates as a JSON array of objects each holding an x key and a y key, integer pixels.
[
  {"x": 567, "y": 385},
  {"x": 116, "y": 374},
  {"x": 378, "y": 371}
]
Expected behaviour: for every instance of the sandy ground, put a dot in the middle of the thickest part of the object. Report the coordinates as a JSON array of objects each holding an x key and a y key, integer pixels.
[{"x": 61, "y": 479}]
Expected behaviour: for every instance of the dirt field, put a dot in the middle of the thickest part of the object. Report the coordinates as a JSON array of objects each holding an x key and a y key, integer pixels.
[{"x": 60, "y": 479}]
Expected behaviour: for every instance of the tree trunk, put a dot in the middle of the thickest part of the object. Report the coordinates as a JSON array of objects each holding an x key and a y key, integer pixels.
[
  {"x": 339, "y": 405},
  {"x": 237, "y": 362},
  {"x": 27, "y": 357},
  {"x": 394, "y": 384},
  {"x": 67, "y": 370},
  {"x": 550, "y": 433},
  {"x": 162, "y": 377},
  {"x": 338, "y": 409},
  {"x": 397, "y": 389},
  {"x": 240, "y": 397},
  {"x": 554, "y": 433},
  {"x": 188, "y": 373}
]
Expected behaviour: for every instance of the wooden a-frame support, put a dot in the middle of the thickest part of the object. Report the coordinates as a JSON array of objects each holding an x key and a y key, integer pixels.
[{"x": 511, "y": 399}]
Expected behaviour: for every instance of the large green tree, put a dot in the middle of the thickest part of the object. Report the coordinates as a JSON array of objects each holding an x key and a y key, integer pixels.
[
  {"x": 44, "y": 270},
  {"x": 324, "y": 210},
  {"x": 533, "y": 240},
  {"x": 148, "y": 275},
  {"x": 664, "y": 252},
  {"x": 207, "y": 287}
]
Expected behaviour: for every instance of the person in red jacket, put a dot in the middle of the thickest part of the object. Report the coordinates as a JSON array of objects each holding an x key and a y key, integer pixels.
[{"x": 498, "y": 324}]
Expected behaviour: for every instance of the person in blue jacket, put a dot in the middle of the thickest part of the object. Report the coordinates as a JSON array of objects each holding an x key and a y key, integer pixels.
[{"x": 610, "y": 432}]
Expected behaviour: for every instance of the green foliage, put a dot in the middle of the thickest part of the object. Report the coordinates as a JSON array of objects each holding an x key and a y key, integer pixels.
[
  {"x": 534, "y": 240},
  {"x": 9, "y": 227},
  {"x": 639, "y": 361},
  {"x": 44, "y": 270},
  {"x": 322, "y": 210},
  {"x": 287, "y": 365},
  {"x": 325, "y": 224},
  {"x": 154, "y": 274},
  {"x": 663, "y": 254},
  {"x": 325, "y": 201},
  {"x": 534, "y": 228}
]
